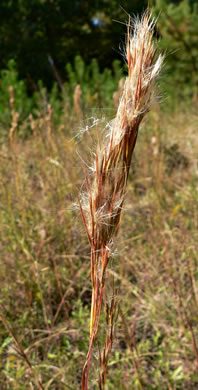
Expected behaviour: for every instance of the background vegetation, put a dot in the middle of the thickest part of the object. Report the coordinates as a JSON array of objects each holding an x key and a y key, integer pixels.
[{"x": 58, "y": 73}]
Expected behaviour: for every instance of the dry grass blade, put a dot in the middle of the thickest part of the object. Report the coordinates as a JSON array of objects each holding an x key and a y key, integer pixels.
[
  {"x": 101, "y": 207},
  {"x": 22, "y": 353}
]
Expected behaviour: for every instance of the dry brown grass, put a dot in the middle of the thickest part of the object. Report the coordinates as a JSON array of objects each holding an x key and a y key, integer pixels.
[{"x": 45, "y": 286}]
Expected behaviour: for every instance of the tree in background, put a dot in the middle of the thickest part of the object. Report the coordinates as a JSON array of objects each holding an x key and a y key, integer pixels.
[
  {"x": 177, "y": 26},
  {"x": 42, "y": 35}
]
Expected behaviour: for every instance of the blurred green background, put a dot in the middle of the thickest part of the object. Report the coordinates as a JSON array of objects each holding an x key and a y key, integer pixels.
[{"x": 55, "y": 45}]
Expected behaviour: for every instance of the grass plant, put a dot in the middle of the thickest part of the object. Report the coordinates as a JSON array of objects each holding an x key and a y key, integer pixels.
[
  {"x": 45, "y": 287},
  {"x": 101, "y": 208}
]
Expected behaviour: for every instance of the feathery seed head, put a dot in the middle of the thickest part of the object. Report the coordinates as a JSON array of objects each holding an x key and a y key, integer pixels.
[{"x": 106, "y": 190}]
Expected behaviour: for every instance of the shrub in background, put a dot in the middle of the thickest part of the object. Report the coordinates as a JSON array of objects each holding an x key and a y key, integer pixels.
[
  {"x": 96, "y": 89},
  {"x": 23, "y": 103},
  {"x": 177, "y": 27},
  {"x": 97, "y": 86}
]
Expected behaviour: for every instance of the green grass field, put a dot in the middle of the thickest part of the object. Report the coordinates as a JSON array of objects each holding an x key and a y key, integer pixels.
[{"x": 45, "y": 258}]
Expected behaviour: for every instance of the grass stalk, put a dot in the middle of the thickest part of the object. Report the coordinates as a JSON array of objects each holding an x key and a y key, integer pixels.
[{"x": 102, "y": 203}]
